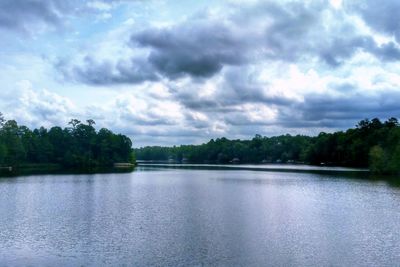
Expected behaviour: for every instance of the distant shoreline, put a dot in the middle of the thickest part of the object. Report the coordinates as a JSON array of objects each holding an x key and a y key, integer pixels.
[
  {"x": 44, "y": 169},
  {"x": 258, "y": 167}
]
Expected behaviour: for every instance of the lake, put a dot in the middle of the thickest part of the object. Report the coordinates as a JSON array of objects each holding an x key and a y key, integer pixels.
[{"x": 194, "y": 217}]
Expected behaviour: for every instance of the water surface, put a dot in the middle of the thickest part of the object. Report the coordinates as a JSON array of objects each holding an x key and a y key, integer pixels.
[{"x": 184, "y": 217}]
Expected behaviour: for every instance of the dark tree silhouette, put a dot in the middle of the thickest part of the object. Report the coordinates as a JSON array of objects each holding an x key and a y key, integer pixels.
[
  {"x": 78, "y": 146},
  {"x": 371, "y": 144}
]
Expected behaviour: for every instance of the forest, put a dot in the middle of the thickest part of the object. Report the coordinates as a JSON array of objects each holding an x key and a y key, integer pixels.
[
  {"x": 78, "y": 145},
  {"x": 371, "y": 144}
]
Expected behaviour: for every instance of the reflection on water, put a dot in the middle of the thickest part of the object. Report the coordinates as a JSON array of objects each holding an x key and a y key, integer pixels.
[
  {"x": 258, "y": 167},
  {"x": 183, "y": 217},
  {"x": 59, "y": 170}
]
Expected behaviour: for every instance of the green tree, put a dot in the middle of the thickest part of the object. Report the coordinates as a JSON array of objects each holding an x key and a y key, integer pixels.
[
  {"x": 377, "y": 159},
  {"x": 394, "y": 162},
  {"x": 15, "y": 150}
]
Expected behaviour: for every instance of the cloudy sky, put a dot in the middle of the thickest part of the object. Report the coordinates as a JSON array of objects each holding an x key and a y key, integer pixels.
[{"x": 185, "y": 71}]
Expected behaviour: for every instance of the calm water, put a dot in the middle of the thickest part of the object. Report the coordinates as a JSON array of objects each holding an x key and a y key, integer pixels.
[{"x": 183, "y": 217}]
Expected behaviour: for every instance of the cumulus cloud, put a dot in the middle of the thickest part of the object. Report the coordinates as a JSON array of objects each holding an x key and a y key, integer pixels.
[
  {"x": 21, "y": 14},
  {"x": 202, "y": 45},
  {"x": 380, "y": 15},
  {"x": 142, "y": 117},
  {"x": 31, "y": 16},
  {"x": 241, "y": 68},
  {"x": 105, "y": 72},
  {"x": 339, "y": 111},
  {"x": 38, "y": 107},
  {"x": 200, "y": 48}
]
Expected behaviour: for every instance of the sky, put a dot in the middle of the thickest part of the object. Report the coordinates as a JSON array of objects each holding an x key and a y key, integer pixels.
[{"x": 185, "y": 71}]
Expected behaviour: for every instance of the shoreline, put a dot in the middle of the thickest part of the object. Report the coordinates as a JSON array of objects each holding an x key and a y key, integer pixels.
[
  {"x": 47, "y": 169},
  {"x": 260, "y": 167}
]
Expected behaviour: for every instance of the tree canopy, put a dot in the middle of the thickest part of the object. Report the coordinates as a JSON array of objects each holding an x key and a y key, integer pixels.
[
  {"x": 78, "y": 145},
  {"x": 371, "y": 143}
]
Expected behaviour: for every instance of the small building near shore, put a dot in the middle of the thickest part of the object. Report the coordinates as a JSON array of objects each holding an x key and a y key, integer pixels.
[{"x": 235, "y": 160}]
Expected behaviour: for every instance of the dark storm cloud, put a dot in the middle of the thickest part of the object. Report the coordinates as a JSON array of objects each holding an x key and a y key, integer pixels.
[
  {"x": 383, "y": 16},
  {"x": 296, "y": 31},
  {"x": 199, "y": 49},
  {"x": 21, "y": 14},
  {"x": 299, "y": 31},
  {"x": 340, "y": 50},
  {"x": 387, "y": 52},
  {"x": 196, "y": 122},
  {"x": 340, "y": 111},
  {"x": 105, "y": 72},
  {"x": 288, "y": 36},
  {"x": 26, "y": 15},
  {"x": 237, "y": 88},
  {"x": 202, "y": 46},
  {"x": 241, "y": 88}
]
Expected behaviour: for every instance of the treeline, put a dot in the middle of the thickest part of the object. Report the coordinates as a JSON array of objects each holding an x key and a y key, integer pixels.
[
  {"x": 78, "y": 145},
  {"x": 372, "y": 144}
]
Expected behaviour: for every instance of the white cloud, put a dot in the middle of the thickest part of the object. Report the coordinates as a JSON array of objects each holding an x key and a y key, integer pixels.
[
  {"x": 234, "y": 69},
  {"x": 37, "y": 108},
  {"x": 337, "y": 4},
  {"x": 99, "y": 5}
]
